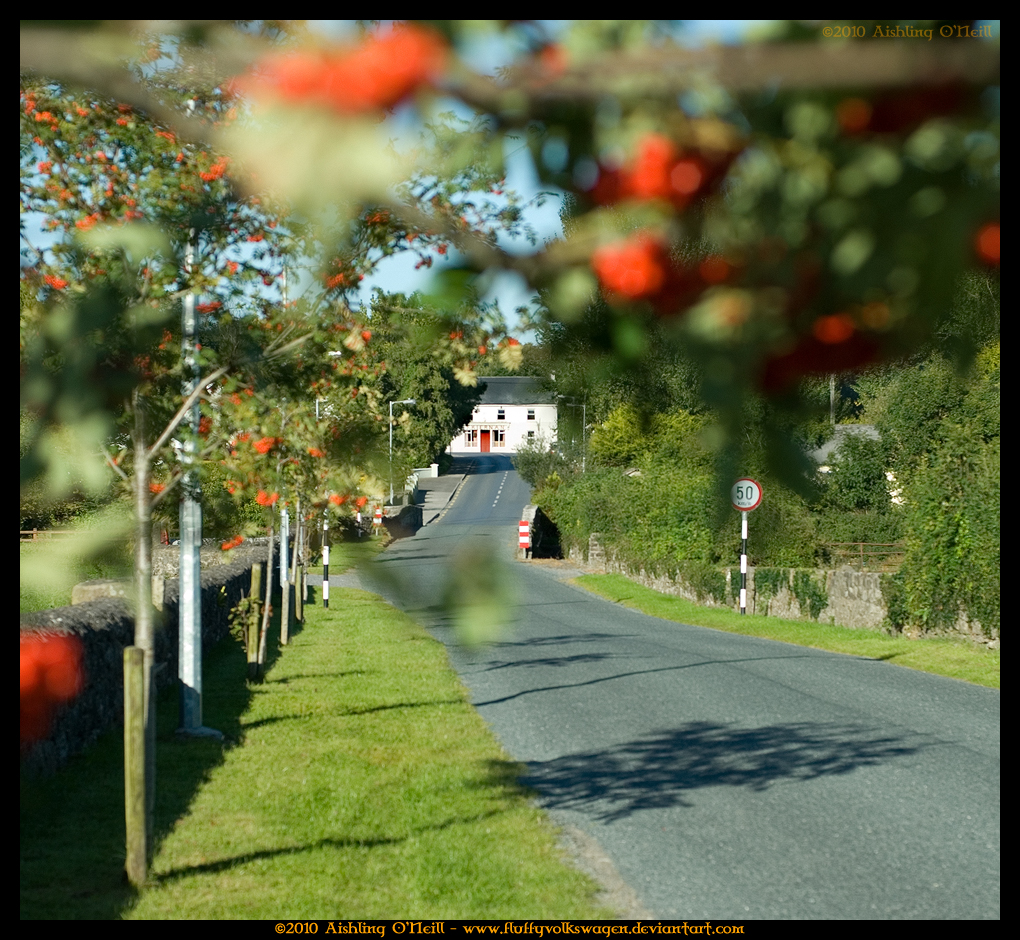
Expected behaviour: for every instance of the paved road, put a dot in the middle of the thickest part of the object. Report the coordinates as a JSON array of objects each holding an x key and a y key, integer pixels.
[{"x": 726, "y": 777}]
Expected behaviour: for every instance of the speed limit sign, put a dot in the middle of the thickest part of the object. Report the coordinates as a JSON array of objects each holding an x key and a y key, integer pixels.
[{"x": 746, "y": 494}]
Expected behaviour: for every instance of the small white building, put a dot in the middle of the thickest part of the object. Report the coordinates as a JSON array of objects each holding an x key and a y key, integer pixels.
[{"x": 513, "y": 410}]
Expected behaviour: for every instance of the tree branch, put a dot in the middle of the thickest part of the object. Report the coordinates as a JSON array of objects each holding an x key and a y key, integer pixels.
[
  {"x": 668, "y": 69},
  {"x": 113, "y": 463},
  {"x": 183, "y": 410},
  {"x": 95, "y": 60}
]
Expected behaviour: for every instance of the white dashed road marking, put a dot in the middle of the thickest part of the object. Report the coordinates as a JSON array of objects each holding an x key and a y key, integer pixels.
[{"x": 499, "y": 492}]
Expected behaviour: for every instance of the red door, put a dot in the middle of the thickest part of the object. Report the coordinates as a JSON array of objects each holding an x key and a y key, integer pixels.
[{"x": 485, "y": 442}]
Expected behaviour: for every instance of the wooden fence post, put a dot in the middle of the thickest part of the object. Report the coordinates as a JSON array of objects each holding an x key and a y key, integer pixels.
[
  {"x": 254, "y": 619},
  {"x": 135, "y": 765}
]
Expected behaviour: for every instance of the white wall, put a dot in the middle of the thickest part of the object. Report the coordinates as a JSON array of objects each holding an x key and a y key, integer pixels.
[{"x": 515, "y": 426}]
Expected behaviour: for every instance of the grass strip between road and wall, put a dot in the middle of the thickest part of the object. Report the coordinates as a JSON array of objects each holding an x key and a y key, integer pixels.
[
  {"x": 957, "y": 659},
  {"x": 355, "y": 782}
]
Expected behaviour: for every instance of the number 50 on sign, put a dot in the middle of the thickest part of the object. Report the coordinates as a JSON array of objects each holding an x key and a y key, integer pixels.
[{"x": 745, "y": 494}]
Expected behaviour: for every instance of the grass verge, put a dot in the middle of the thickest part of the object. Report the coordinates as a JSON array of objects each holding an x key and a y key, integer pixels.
[
  {"x": 346, "y": 555},
  {"x": 355, "y": 782},
  {"x": 958, "y": 659}
]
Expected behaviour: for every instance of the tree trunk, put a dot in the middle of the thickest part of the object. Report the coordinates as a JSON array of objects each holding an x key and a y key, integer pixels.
[{"x": 144, "y": 625}]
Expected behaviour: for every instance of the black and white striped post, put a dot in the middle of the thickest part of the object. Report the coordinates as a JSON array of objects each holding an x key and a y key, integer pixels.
[
  {"x": 743, "y": 563},
  {"x": 325, "y": 563},
  {"x": 745, "y": 496}
]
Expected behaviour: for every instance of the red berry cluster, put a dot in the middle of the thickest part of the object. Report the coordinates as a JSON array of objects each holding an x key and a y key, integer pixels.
[
  {"x": 896, "y": 112},
  {"x": 51, "y": 674},
  {"x": 266, "y": 444},
  {"x": 640, "y": 268},
  {"x": 986, "y": 243},
  {"x": 661, "y": 171},
  {"x": 379, "y": 72}
]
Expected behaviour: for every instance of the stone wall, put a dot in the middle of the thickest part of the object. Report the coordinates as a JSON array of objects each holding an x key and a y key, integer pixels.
[
  {"x": 402, "y": 521},
  {"x": 105, "y": 627},
  {"x": 845, "y": 596},
  {"x": 166, "y": 559}
]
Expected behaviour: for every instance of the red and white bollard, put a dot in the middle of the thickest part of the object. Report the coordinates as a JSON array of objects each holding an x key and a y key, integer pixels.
[
  {"x": 377, "y": 521},
  {"x": 524, "y": 536}
]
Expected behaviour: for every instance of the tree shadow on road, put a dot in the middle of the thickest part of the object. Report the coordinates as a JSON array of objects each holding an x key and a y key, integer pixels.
[{"x": 659, "y": 770}]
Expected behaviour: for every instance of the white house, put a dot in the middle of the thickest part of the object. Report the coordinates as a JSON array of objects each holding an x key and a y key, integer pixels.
[{"x": 513, "y": 409}]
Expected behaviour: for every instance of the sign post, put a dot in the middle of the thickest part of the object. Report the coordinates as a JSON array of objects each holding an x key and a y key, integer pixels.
[
  {"x": 745, "y": 496},
  {"x": 325, "y": 563}
]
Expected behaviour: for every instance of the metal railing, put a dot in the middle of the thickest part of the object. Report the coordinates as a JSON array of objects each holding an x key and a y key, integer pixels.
[
  {"x": 880, "y": 556},
  {"x": 35, "y": 535}
]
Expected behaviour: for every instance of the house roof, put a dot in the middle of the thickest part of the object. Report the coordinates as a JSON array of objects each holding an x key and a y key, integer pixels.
[{"x": 514, "y": 390}]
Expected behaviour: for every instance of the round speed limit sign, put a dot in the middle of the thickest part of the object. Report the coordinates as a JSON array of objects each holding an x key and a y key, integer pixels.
[{"x": 745, "y": 495}]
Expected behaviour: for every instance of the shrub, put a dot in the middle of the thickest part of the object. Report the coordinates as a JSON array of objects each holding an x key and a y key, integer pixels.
[
  {"x": 916, "y": 405},
  {"x": 812, "y": 596},
  {"x": 895, "y": 599},
  {"x": 952, "y": 558},
  {"x": 857, "y": 481},
  {"x": 706, "y": 581},
  {"x": 768, "y": 582},
  {"x": 535, "y": 461},
  {"x": 837, "y": 526},
  {"x": 620, "y": 440}
]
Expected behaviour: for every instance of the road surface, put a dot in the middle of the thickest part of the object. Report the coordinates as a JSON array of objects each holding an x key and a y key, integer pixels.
[{"x": 726, "y": 777}]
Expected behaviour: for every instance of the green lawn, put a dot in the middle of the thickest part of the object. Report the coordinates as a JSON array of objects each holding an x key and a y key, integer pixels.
[
  {"x": 958, "y": 659},
  {"x": 355, "y": 782},
  {"x": 58, "y": 566}
]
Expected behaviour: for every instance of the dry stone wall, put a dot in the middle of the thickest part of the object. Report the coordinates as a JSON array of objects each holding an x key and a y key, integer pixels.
[
  {"x": 105, "y": 626},
  {"x": 845, "y": 596}
]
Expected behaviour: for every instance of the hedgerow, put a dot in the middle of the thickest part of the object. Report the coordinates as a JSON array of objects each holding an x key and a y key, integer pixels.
[{"x": 952, "y": 559}]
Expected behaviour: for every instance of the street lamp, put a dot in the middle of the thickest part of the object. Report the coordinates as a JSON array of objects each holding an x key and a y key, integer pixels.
[{"x": 402, "y": 401}]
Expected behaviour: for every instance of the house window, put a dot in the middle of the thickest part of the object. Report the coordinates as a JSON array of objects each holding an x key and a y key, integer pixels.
[
  {"x": 501, "y": 414},
  {"x": 531, "y": 417},
  {"x": 471, "y": 437},
  {"x": 531, "y": 434},
  {"x": 499, "y": 438}
]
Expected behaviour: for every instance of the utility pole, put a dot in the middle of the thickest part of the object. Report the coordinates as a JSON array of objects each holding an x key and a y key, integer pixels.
[
  {"x": 584, "y": 426},
  {"x": 584, "y": 432}
]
